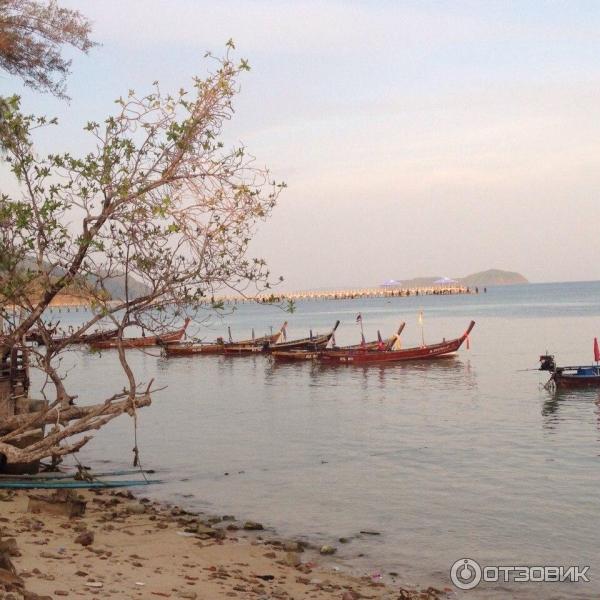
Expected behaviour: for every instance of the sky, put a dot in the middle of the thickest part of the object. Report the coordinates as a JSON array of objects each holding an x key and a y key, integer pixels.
[{"x": 416, "y": 138}]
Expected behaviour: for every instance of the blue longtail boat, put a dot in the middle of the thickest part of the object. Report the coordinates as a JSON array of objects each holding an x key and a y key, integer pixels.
[{"x": 572, "y": 376}]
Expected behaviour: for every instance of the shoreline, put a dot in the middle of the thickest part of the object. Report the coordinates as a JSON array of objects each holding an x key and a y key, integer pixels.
[{"x": 139, "y": 548}]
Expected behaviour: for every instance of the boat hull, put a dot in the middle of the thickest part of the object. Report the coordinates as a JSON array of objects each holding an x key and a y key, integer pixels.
[
  {"x": 578, "y": 377},
  {"x": 237, "y": 349},
  {"x": 243, "y": 347},
  {"x": 311, "y": 344},
  {"x": 575, "y": 381},
  {"x": 295, "y": 355},
  {"x": 141, "y": 342},
  {"x": 86, "y": 338},
  {"x": 193, "y": 349}
]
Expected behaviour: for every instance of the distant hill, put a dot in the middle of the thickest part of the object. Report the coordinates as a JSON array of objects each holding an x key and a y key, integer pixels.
[
  {"x": 490, "y": 277},
  {"x": 493, "y": 277},
  {"x": 80, "y": 289}
]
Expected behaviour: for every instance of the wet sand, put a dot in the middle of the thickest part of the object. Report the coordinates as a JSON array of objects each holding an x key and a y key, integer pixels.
[{"x": 123, "y": 548}]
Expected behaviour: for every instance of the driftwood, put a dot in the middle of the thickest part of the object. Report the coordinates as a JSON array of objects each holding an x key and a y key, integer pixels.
[
  {"x": 64, "y": 415},
  {"x": 81, "y": 420}
]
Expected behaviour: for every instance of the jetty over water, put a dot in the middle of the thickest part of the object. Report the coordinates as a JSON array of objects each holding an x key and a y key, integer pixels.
[
  {"x": 350, "y": 294},
  {"x": 75, "y": 305}
]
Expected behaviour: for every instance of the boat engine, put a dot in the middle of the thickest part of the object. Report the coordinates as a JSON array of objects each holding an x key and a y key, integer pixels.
[{"x": 547, "y": 363}]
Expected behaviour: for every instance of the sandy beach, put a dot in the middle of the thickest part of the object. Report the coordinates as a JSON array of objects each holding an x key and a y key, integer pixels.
[{"x": 123, "y": 547}]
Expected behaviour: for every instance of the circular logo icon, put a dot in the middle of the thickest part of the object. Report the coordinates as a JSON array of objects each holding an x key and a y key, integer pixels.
[{"x": 465, "y": 573}]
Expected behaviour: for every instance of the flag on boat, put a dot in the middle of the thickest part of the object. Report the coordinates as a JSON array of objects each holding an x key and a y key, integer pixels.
[
  {"x": 421, "y": 318},
  {"x": 596, "y": 350},
  {"x": 358, "y": 318}
]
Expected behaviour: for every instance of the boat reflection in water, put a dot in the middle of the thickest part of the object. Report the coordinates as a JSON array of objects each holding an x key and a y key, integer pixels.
[
  {"x": 404, "y": 377},
  {"x": 568, "y": 405}
]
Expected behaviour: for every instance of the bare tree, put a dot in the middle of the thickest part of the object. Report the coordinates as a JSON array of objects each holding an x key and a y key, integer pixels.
[
  {"x": 32, "y": 35},
  {"x": 160, "y": 201}
]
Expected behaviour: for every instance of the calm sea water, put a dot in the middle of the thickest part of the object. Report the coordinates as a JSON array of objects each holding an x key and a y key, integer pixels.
[{"x": 464, "y": 457}]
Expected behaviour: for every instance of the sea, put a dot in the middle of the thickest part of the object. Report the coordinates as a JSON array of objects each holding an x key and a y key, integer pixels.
[{"x": 469, "y": 457}]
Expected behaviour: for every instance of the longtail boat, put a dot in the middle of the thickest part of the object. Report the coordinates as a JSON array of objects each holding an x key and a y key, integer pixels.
[
  {"x": 255, "y": 345},
  {"x": 142, "y": 342},
  {"x": 85, "y": 338},
  {"x": 311, "y": 343},
  {"x": 572, "y": 377},
  {"x": 379, "y": 344},
  {"x": 221, "y": 347},
  {"x": 425, "y": 352},
  {"x": 97, "y": 336},
  {"x": 303, "y": 355},
  {"x": 90, "y": 338}
]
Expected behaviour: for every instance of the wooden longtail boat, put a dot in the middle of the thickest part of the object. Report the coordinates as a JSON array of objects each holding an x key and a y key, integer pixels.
[
  {"x": 361, "y": 357},
  {"x": 98, "y": 336},
  {"x": 312, "y": 343},
  {"x": 91, "y": 338},
  {"x": 85, "y": 338},
  {"x": 142, "y": 342},
  {"x": 378, "y": 344},
  {"x": 222, "y": 347},
  {"x": 304, "y": 355},
  {"x": 570, "y": 377}
]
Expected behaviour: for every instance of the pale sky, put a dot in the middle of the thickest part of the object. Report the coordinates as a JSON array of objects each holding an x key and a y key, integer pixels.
[{"x": 416, "y": 138}]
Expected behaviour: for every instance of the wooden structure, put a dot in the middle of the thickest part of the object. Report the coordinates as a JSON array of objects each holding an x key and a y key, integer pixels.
[
  {"x": 14, "y": 401},
  {"x": 14, "y": 378}
]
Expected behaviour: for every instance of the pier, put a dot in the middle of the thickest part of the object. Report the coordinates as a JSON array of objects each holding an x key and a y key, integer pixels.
[
  {"x": 349, "y": 294},
  {"x": 70, "y": 304}
]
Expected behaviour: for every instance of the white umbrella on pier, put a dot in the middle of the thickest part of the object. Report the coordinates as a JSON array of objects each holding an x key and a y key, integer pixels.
[
  {"x": 444, "y": 281},
  {"x": 391, "y": 283}
]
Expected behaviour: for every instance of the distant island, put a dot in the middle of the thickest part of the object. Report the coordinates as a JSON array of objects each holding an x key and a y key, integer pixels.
[
  {"x": 493, "y": 277},
  {"x": 487, "y": 278}
]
